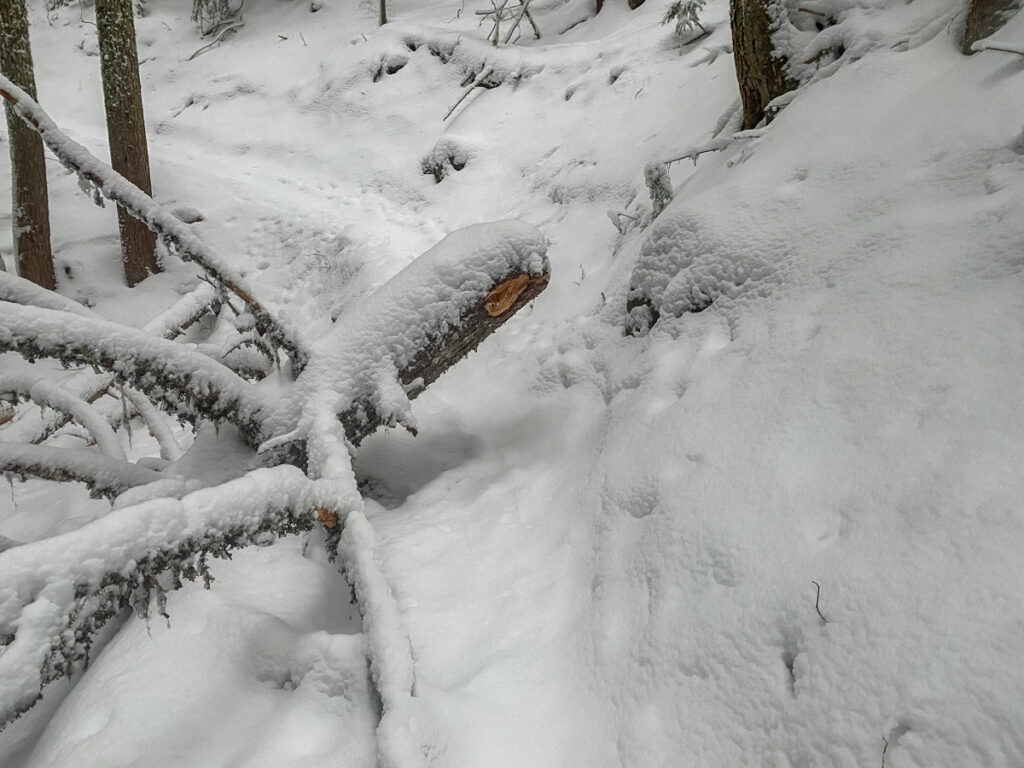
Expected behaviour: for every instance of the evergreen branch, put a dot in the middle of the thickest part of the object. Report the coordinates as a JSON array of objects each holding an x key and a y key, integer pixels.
[
  {"x": 56, "y": 594},
  {"x": 46, "y": 393},
  {"x": 185, "y": 382},
  {"x": 103, "y": 475}
]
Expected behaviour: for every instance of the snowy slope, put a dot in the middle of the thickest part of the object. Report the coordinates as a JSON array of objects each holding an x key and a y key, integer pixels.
[{"x": 603, "y": 546}]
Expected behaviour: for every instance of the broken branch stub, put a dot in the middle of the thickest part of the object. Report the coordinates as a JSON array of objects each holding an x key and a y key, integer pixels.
[
  {"x": 504, "y": 295},
  {"x": 444, "y": 350}
]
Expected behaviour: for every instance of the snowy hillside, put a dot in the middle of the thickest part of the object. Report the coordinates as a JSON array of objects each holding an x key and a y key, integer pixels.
[{"x": 603, "y": 547}]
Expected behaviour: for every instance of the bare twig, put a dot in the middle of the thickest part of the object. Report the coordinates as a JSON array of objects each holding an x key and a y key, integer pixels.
[
  {"x": 813, "y": 13},
  {"x": 478, "y": 84},
  {"x": 817, "y": 601},
  {"x": 982, "y": 45},
  {"x": 524, "y": 8},
  {"x": 217, "y": 39},
  {"x": 885, "y": 748}
]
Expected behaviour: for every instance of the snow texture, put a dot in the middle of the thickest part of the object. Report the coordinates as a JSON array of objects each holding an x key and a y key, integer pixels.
[{"x": 600, "y": 549}]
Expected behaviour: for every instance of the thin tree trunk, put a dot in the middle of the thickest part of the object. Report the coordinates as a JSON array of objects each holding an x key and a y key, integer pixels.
[
  {"x": 382, "y": 15},
  {"x": 126, "y": 128},
  {"x": 29, "y": 198},
  {"x": 761, "y": 74},
  {"x": 986, "y": 17}
]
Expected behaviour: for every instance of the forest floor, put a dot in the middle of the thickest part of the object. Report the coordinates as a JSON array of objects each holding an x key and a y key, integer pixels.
[{"x": 603, "y": 546}]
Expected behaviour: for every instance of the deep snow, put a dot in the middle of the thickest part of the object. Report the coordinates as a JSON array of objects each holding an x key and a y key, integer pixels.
[{"x": 601, "y": 546}]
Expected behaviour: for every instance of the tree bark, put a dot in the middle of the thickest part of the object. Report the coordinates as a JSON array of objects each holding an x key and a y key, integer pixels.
[
  {"x": 126, "y": 128},
  {"x": 986, "y": 17},
  {"x": 30, "y": 201},
  {"x": 761, "y": 73},
  {"x": 450, "y": 345}
]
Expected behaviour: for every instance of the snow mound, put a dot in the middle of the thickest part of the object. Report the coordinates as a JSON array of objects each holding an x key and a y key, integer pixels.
[{"x": 687, "y": 263}]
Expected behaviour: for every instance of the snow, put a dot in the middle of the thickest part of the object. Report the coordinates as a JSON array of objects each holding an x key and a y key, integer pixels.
[{"x": 600, "y": 548}]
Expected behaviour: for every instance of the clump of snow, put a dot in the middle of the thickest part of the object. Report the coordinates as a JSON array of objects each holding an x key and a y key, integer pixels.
[
  {"x": 687, "y": 263},
  {"x": 449, "y": 154}
]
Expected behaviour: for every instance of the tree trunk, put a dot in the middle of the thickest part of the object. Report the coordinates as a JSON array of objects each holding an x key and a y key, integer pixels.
[
  {"x": 986, "y": 17},
  {"x": 30, "y": 201},
  {"x": 126, "y": 128},
  {"x": 761, "y": 73},
  {"x": 382, "y": 12}
]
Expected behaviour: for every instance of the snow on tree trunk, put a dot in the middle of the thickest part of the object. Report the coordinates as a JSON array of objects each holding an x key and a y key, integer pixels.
[
  {"x": 126, "y": 128},
  {"x": 760, "y": 71},
  {"x": 986, "y": 17},
  {"x": 30, "y": 201}
]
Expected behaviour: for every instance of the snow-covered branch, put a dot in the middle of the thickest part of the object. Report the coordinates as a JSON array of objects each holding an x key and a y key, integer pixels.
[
  {"x": 156, "y": 423},
  {"x": 994, "y": 45},
  {"x": 18, "y": 290},
  {"x": 138, "y": 204},
  {"x": 56, "y": 594},
  {"x": 104, "y": 476},
  {"x": 48, "y": 394},
  {"x": 187, "y": 383},
  {"x": 191, "y": 307},
  {"x": 202, "y": 300},
  {"x": 388, "y": 647}
]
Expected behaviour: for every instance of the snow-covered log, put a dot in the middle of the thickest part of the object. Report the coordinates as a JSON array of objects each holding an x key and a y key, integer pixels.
[
  {"x": 187, "y": 383},
  {"x": 103, "y": 475},
  {"x": 390, "y": 347},
  {"x": 175, "y": 233},
  {"x": 57, "y": 593}
]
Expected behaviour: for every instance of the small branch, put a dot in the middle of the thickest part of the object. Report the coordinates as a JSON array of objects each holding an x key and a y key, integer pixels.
[
  {"x": 46, "y": 393},
  {"x": 202, "y": 300},
  {"x": 885, "y": 748},
  {"x": 715, "y": 145},
  {"x": 101, "y": 474},
  {"x": 515, "y": 25},
  {"x": 73, "y": 584},
  {"x": 983, "y": 45},
  {"x": 813, "y": 13},
  {"x": 217, "y": 39},
  {"x": 186, "y": 382},
  {"x": 156, "y": 423},
  {"x": 478, "y": 84},
  {"x": 817, "y": 600}
]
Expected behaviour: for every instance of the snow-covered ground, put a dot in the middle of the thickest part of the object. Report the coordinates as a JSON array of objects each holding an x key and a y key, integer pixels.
[{"x": 602, "y": 546}]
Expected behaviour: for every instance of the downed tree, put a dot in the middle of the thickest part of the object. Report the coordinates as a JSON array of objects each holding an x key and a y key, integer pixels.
[{"x": 290, "y": 436}]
